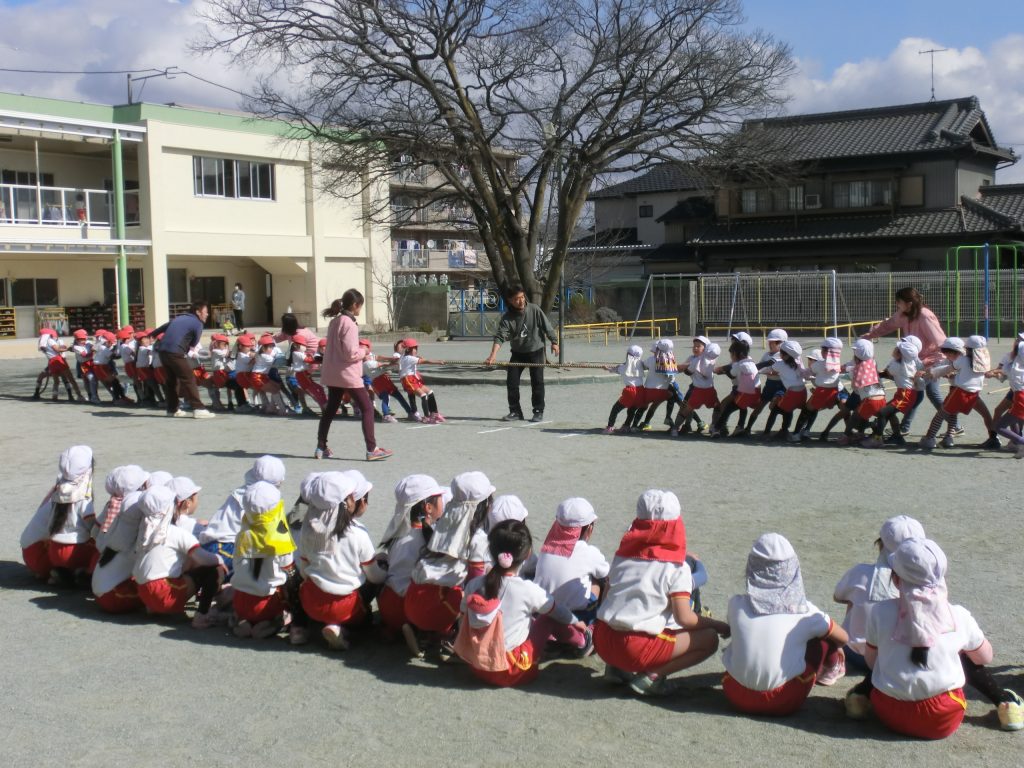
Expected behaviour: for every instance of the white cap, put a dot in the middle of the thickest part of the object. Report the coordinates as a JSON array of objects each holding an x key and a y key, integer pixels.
[
  {"x": 777, "y": 334},
  {"x": 920, "y": 562},
  {"x": 363, "y": 486},
  {"x": 506, "y": 507},
  {"x": 773, "y": 546},
  {"x": 157, "y": 501},
  {"x": 160, "y": 479},
  {"x": 898, "y": 529},
  {"x": 712, "y": 350},
  {"x": 415, "y": 488},
  {"x": 260, "y": 497},
  {"x": 864, "y": 349},
  {"x": 575, "y": 513},
  {"x": 702, "y": 339},
  {"x": 184, "y": 488},
  {"x": 793, "y": 349},
  {"x": 815, "y": 354},
  {"x": 307, "y": 484},
  {"x": 953, "y": 344},
  {"x": 913, "y": 341},
  {"x": 832, "y": 342},
  {"x": 330, "y": 489},
  {"x": 658, "y": 505},
  {"x": 635, "y": 351},
  {"x": 743, "y": 336},
  {"x": 665, "y": 345},
  {"x": 126, "y": 479},
  {"x": 75, "y": 461},
  {"x": 976, "y": 342},
  {"x": 471, "y": 486},
  {"x": 267, "y": 468}
]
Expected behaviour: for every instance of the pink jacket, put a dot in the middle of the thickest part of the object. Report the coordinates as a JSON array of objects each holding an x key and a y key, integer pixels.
[
  {"x": 926, "y": 327},
  {"x": 343, "y": 357}
]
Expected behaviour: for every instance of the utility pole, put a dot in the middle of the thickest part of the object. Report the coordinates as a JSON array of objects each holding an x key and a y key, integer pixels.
[{"x": 931, "y": 53}]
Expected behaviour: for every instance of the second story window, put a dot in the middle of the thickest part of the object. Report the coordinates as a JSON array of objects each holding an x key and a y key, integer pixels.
[
  {"x": 861, "y": 194},
  {"x": 770, "y": 200},
  {"x": 241, "y": 179},
  {"x": 645, "y": 211}
]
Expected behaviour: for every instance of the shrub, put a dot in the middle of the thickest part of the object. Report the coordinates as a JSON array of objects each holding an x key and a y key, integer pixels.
[
  {"x": 426, "y": 328},
  {"x": 607, "y": 315},
  {"x": 580, "y": 310}
]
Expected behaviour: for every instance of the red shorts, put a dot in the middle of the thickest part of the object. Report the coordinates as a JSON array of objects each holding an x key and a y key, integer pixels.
[
  {"x": 632, "y": 397},
  {"x": 633, "y": 651},
  {"x": 747, "y": 400},
  {"x": 131, "y": 370},
  {"x": 934, "y": 718},
  {"x": 57, "y": 365},
  {"x": 904, "y": 400},
  {"x": 784, "y": 700},
  {"x": 959, "y": 401},
  {"x": 103, "y": 373},
  {"x": 219, "y": 379},
  {"x": 413, "y": 384},
  {"x": 522, "y": 668},
  {"x": 243, "y": 379},
  {"x": 37, "y": 559},
  {"x": 655, "y": 396},
  {"x": 257, "y": 381},
  {"x": 124, "y": 598},
  {"x": 1017, "y": 406},
  {"x": 432, "y": 608},
  {"x": 391, "y": 607},
  {"x": 257, "y": 608},
  {"x": 869, "y": 408},
  {"x": 159, "y": 375},
  {"x": 87, "y": 367},
  {"x": 168, "y": 595},
  {"x": 331, "y": 609},
  {"x": 383, "y": 385},
  {"x": 823, "y": 398},
  {"x": 74, "y": 557},
  {"x": 144, "y": 373},
  {"x": 200, "y": 373},
  {"x": 791, "y": 400},
  {"x": 702, "y": 397}
]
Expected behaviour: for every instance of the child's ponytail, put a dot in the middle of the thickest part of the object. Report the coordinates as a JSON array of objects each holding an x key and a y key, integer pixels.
[
  {"x": 919, "y": 655},
  {"x": 510, "y": 544},
  {"x": 61, "y": 510}
]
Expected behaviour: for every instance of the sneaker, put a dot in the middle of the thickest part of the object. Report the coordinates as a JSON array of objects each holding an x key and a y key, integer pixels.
[
  {"x": 896, "y": 439},
  {"x": 242, "y": 629},
  {"x": 411, "y": 641},
  {"x": 323, "y": 453},
  {"x": 843, "y": 440},
  {"x": 947, "y": 442},
  {"x": 858, "y": 706},
  {"x": 904, "y": 429},
  {"x": 873, "y": 442},
  {"x": 1011, "y": 713},
  {"x": 265, "y": 629},
  {"x": 645, "y": 685},
  {"x": 616, "y": 676},
  {"x": 202, "y": 413},
  {"x": 793, "y": 437},
  {"x": 992, "y": 444},
  {"x": 389, "y": 419},
  {"x": 645, "y": 427},
  {"x": 415, "y": 416},
  {"x": 805, "y": 434},
  {"x": 588, "y": 646},
  {"x": 378, "y": 454},
  {"x": 927, "y": 443},
  {"x": 513, "y": 416},
  {"x": 958, "y": 431},
  {"x": 609, "y": 431},
  {"x": 298, "y": 635},
  {"x": 439, "y": 419},
  {"x": 538, "y": 416},
  {"x": 833, "y": 673},
  {"x": 673, "y": 432},
  {"x": 336, "y": 637},
  {"x": 178, "y": 414},
  {"x": 205, "y": 620}
]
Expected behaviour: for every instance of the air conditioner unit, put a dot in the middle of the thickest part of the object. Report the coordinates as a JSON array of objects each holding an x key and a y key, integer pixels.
[
  {"x": 812, "y": 201},
  {"x": 431, "y": 244}
]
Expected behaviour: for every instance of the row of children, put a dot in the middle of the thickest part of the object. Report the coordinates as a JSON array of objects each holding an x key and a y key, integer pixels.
[
  {"x": 865, "y": 412},
  {"x": 254, "y": 373},
  {"x": 456, "y": 566}
]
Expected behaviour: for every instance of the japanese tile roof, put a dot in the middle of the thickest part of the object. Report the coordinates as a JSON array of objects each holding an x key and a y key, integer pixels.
[
  {"x": 607, "y": 239},
  {"x": 1007, "y": 199},
  {"x": 906, "y": 128},
  {"x": 662, "y": 178},
  {"x": 690, "y": 208}
]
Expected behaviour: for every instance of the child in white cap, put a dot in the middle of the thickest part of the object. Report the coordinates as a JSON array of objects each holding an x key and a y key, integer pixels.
[
  {"x": 902, "y": 369},
  {"x": 780, "y": 641},
  {"x": 418, "y": 505},
  {"x": 112, "y": 582},
  {"x": 867, "y": 387},
  {"x": 824, "y": 370},
  {"x": 792, "y": 376},
  {"x": 701, "y": 394},
  {"x": 58, "y": 539},
  {"x": 968, "y": 362},
  {"x": 1011, "y": 423},
  {"x": 186, "y": 495},
  {"x": 646, "y": 628},
  {"x": 745, "y": 393},
  {"x": 773, "y": 387},
  {"x": 660, "y": 383},
  {"x": 506, "y": 619},
  {"x": 922, "y": 650},
  {"x": 632, "y": 396},
  {"x": 569, "y": 567}
]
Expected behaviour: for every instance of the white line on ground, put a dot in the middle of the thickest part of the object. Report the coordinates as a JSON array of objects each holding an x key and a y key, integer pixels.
[
  {"x": 424, "y": 426},
  {"x": 535, "y": 424},
  {"x": 488, "y": 431},
  {"x": 574, "y": 434}
]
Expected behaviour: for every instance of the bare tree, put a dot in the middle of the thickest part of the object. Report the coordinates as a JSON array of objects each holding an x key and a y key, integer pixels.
[{"x": 497, "y": 95}]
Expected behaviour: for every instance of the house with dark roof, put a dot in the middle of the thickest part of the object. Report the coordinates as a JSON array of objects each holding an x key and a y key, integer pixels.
[{"x": 887, "y": 188}]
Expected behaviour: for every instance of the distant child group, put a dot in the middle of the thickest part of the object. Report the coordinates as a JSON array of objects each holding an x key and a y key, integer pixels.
[{"x": 456, "y": 572}]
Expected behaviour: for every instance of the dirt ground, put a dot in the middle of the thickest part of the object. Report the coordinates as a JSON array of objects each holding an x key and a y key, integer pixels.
[{"x": 84, "y": 689}]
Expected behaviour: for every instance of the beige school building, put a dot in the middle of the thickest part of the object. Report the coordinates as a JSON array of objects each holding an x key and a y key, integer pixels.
[{"x": 211, "y": 199}]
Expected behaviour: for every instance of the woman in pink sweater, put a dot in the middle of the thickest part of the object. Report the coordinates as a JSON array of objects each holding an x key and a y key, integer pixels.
[
  {"x": 342, "y": 371},
  {"x": 913, "y": 318}
]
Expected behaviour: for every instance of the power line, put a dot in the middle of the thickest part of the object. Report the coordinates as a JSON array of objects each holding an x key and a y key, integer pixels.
[{"x": 79, "y": 72}]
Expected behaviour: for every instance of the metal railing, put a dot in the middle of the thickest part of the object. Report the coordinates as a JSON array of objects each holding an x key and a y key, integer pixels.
[
  {"x": 653, "y": 327},
  {"x": 29, "y": 205}
]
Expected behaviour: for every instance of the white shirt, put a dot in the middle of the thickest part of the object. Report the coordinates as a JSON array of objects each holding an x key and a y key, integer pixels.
[
  {"x": 167, "y": 560},
  {"x": 219, "y": 359},
  {"x": 272, "y": 575},
  {"x": 443, "y": 571},
  {"x": 824, "y": 378},
  {"x": 244, "y": 362},
  {"x": 638, "y": 599},
  {"x": 897, "y": 676},
  {"x": 655, "y": 378},
  {"x": 48, "y": 345},
  {"x": 770, "y": 357},
  {"x": 791, "y": 378},
  {"x": 902, "y": 372},
  {"x": 402, "y": 557},
  {"x": 701, "y": 371},
  {"x": 407, "y": 365},
  {"x": 126, "y": 349},
  {"x": 38, "y": 528},
  {"x": 853, "y": 588},
  {"x": 226, "y": 522},
  {"x": 767, "y": 651},
  {"x": 569, "y": 579},
  {"x": 632, "y": 373},
  {"x": 479, "y": 550},
  {"x": 143, "y": 357},
  {"x": 117, "y": 571},
  {"x": 264, "y": 361},
  {"x": 101, "y": 353},
  {"x": 83, "y": 351},
  {"x": 965, "y": 377},
  {"x": 299, "y": 360},
  {"x": 745, "y": 372},
  {"x": 1013, "y": 367},
  {"x": 339, "y": 569},
  {"x": 75, "y": 529},
  {"x": 520, "y": 600}
]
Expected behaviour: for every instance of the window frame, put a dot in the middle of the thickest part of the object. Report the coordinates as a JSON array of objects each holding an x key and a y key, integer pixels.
[{"x": 227, "y": 178}]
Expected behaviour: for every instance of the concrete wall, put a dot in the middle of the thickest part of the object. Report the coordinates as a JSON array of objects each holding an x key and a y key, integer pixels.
[{"x": 422, "y": 304}]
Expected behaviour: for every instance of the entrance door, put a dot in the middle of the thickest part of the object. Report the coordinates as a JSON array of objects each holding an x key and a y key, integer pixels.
[{"x": 209, "y": 288}]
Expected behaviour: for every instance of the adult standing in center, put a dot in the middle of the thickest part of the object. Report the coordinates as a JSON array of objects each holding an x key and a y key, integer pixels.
[
  {"x": 238, "y": 306},
  {"x": 342, "y": 371},
  {"x": 525, "y": 327},
  {"x": 180, "y": 336}
]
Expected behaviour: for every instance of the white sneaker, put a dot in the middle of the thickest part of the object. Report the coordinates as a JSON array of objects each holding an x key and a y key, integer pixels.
[
  {"x": 832, "y": 674},
  {"x": 180, "y": 414},
  {"x": 202, "y": 413}
]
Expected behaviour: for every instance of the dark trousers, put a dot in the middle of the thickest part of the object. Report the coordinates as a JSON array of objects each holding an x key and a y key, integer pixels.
[
  {"x": 239, "y": 323},
  {"x": 515, "y": 373},
  {"x": 179, "y": 379},
  {"x": 360, "y": 398}
]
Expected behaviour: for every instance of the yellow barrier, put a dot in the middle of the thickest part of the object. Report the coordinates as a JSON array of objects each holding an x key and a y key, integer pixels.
[
  {"x": 623, "y": 327},
  {"x": 825, "y": 330}
]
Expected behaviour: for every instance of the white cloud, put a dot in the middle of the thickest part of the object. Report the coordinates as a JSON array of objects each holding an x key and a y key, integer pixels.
[{"x": 995, "y": 76}]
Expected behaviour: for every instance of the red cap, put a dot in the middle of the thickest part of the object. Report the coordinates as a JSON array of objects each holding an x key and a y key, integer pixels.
[
  {"x": 265, "y": 339},
  {"x": 81, "y": 333},
  {"x": 125, "y": 333},
  {"x": 158, "y": 337},
  {"x": 365, "y": 343},
  {"x": 410, "y": 343},
  {"x": 322, "y": 343},
  {"x": 246, "y": 340},
  {"x": 48, "y": 332},
  {"x": 220, "y": 337},
  {"x": 103, "y": 333}
]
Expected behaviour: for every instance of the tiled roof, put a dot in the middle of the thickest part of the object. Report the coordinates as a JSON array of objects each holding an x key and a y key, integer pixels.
[
  {"x": 969, "y": 218},
  {"x": 1007, "y": 199},
  {"x": 906, "y": 128},
  {"x": 608, "y": 240},
  {"x": 690, "y": 208},
  {"x": 662, "y": 178}
]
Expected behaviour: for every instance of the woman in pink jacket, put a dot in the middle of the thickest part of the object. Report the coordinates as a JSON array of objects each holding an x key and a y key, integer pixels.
[
  {"x": 913, "y": 318},
  {"x": 342, "y": 371}
]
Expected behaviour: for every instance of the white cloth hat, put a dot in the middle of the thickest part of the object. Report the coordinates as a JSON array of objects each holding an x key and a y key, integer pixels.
[
  {"x": 712, "y": 350},
  {"x": 793, "y": 349},
  {"x": 976, "y": 342},
  {"x": 415, "y": 488},
  {"x": 954, "y": 344},
  {"x": 898, "y": 529},
  {"x": 330, "y": 489},
  {"x": 506, "y": 507},
  {"x": 471, "y": 486},
  {"x": 815, "y": 354},
  {"x": 75, "y": 462},
  {"x": 157, "y": 500},
  {"x": 864, "y": 349},
  {"x": 832, "y": 342},
  {"x": 575, "y": 513},
  {"x": 743, "y": 336},
  {"x": 665, "y": 345},
  {"x": 914, "y": 342},
  {"x": 635, "y": 351},
  {"x": 125, "y": 479},
  {"x": 363, "y": 486},
  {"x": 777, "y": 334},
  {"x": 307, "y": 484},
  {"x": 774, "y": 582},
  {"x": 160, "y": 479},
  {"x": 267, "y": 468},
  {"x": 156, "y": 504},
  {"x": 261, "y": 497},
  {"x": 655, "y": 504},
  {"x": 184, "y": 488},
  {"x": 920, "y": 562},
  {"x": 702, "y": 339}
]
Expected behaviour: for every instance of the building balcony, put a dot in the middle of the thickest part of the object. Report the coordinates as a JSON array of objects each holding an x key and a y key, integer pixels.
[
  {"x": 439, "y": 260},
  {"x": 32, "y": 206}
]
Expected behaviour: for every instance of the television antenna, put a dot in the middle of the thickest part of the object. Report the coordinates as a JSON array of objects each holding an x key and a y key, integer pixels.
[{"x": 931, "y": 53}]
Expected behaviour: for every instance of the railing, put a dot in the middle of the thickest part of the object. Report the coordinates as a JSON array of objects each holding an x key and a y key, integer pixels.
[
  {"x": 23, "y": 204},
  {"x": 651, "y": 327},
  {"x": 823, "y": 330},
  {"x": 439, "y": 259}
]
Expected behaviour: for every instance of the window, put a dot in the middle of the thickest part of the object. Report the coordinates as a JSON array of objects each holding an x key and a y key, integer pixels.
[
  {"x": 177, "y": 286},
  {"x": 646, "y": 211},
  {"x": 769, "y": 200},
  {"x": 34, "y": 292},
  {"x": 26, "y": 178},
  {"x": 241, "y": 179},
  {"x": 110, "y": 286},
  {"x": 861, "y": 194}
]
